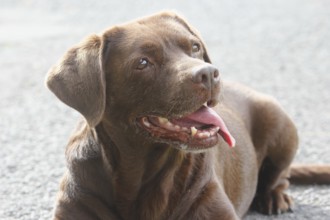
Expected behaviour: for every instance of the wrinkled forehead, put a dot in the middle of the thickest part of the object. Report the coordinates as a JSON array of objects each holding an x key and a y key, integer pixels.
[{"x": 157, "y": 30}]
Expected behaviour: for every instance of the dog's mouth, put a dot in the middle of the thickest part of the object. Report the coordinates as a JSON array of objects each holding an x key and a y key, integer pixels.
[{"x": 198, "y": 130}]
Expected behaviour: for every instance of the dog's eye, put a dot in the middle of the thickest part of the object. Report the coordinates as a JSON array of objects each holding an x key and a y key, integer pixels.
[
  {"x": 143, "y": 63},
  {"x": 195, "y": 48}
]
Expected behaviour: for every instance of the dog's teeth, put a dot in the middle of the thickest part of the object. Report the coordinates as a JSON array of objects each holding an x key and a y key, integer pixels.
[
  {"x": 177, "y": 127},
  {"x": 205, "y": 104},
  {"x": 184, "y": 129},
  {"x": 183, "y": 146},
  {"x": 214, "y": 131},
  {"x": 146, "y": 122},
  {"x": 162, "y": 120},
  {"x": 204, "y": 134},
  {"x": 168, "y": 124},
  {"x": 193, "y": 131}
]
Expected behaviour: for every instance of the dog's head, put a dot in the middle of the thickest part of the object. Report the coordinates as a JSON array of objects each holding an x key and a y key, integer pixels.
[{"x": 152, "y": 76}]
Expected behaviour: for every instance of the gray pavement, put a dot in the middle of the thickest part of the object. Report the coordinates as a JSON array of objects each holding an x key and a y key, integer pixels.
[{"x": 279, "y": 47}]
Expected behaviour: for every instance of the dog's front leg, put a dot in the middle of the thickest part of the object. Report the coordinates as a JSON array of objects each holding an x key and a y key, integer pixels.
[{"x": 274, "y": 172}]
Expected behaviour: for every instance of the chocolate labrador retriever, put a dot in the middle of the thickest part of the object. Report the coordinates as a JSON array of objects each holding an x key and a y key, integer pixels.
[{"x": 163, "y": 137}]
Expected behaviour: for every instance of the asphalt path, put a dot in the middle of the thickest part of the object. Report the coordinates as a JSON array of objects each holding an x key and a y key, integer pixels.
[{"x": 279, "y": 47}]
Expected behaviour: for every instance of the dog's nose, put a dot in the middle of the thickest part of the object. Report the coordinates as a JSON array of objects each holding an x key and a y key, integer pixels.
[{"x": 207, "y": 76}]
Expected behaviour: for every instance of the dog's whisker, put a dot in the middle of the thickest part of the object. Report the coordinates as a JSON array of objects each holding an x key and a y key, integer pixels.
[{"x": 170, "y": 110}]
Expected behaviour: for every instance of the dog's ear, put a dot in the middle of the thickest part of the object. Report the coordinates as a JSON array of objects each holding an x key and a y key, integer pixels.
[
  {"x": 192, "y": 30},
  {"x": 78, "y": 79}
]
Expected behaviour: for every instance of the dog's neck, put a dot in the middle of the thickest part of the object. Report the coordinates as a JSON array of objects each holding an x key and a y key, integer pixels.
[{"x": 133, "y": 169}]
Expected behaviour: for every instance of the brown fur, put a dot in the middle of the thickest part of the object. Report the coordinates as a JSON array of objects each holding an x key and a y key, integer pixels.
[{"x": 117, "y": 171}]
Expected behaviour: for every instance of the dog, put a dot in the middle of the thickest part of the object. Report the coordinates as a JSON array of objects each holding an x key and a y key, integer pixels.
[{"x": 162, "y": 136}]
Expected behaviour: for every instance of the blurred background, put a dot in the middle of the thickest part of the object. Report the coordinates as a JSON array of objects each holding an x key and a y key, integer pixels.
[{"x": 279, "y": 47}]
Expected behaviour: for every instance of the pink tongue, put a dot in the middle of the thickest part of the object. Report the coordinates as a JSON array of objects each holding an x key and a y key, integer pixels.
[{"x": 206, "y": 115}]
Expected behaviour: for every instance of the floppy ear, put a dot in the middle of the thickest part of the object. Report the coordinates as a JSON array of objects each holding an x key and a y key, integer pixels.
[
  {"x": 78, "y": 80},
  {"x": 193, "y": 31}
]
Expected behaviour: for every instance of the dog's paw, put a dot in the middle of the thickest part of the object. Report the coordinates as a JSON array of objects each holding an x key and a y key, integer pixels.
[{"x": 274, "y": 202}]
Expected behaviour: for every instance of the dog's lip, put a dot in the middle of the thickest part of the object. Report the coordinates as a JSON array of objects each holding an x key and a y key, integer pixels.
[{"x": 199, "y": 127}]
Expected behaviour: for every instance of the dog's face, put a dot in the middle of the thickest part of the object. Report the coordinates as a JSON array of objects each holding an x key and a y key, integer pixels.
[{"x": 152, "y": 76}]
